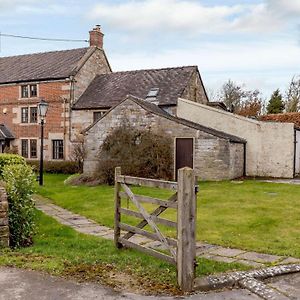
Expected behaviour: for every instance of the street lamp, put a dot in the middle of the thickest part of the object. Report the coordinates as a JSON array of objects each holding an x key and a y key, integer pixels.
[{"x": 42, "y": 108}]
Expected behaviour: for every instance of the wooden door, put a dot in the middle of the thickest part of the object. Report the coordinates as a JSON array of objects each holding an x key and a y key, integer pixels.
[{"x": 184, "y": 153}]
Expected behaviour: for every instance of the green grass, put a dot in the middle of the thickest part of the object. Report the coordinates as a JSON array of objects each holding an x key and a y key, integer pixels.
[
  {"x": 60, "y": 250},
  {"x": 263, "y": 217}
]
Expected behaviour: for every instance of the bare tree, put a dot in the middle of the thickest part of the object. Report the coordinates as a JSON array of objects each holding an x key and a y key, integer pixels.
[
  {"x": 232, "y": 95},
  {"x": 292, "y": 103},
  {"x": 78, "y": 153},
  {"x": 252, "y": 106}
]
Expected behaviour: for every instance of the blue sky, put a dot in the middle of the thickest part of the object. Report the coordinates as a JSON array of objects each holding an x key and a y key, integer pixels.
[{"x": 256, "y": 43}]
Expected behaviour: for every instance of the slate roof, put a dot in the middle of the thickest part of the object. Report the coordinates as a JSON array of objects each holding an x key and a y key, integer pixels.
[
  {"x": 39, "y": 66},
  {"x": 284, "y": 118},
  {"x": 5, "y": 133},
  {"x": 107, "y": 90},
  {"x": 160, "y": 112}
]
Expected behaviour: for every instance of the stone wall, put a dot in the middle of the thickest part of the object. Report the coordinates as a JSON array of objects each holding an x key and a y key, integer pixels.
[
  {"x": 195, "y": 90},
  {"x": 4, "y": 230},
  {"x": 270, "y": 146},
  {"x": 212, "y": 155}
]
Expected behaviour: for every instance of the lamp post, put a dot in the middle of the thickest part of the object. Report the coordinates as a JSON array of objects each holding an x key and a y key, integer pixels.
[{"x": 42, "y": 108}]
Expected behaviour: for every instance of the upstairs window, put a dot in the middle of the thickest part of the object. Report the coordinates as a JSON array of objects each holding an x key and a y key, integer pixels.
[
  {"x": 29, "y": 91},
  {"x": 24, "y": 115},
  {"x": 24, "y": 91},
  {"x": 98, "y": 115},
  {"x": 33, "y": 115}
]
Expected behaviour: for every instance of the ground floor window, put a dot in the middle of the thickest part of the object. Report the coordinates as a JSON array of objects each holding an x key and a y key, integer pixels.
[
  {"x": 57, "y": 149},
  {"x": 24, "y": 148},
  {"x": 29, "y": 148},
  {"x": 33, "y": 148}
]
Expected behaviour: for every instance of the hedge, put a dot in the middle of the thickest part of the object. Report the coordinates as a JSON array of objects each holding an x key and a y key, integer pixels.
[
  {"x": 56, "y": 167},
  {"x": 10, "y": 159}
]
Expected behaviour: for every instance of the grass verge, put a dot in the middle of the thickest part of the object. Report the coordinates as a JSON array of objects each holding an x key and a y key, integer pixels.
[{"x": 59, "y": 250}]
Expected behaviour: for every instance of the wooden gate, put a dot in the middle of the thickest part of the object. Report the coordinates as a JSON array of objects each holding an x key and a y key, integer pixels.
[{"x": 181, "y": 252}]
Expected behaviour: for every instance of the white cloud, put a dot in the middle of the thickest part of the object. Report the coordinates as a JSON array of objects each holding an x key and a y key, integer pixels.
[
  {"x": 193, "y": 17},
  {"x": 260, "y": 65}
]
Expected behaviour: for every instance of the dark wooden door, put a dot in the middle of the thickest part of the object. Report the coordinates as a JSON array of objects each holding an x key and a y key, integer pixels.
[{"x": 184, "y": 153}]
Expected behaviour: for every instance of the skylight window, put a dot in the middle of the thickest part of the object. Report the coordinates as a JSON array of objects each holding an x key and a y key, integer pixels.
[{"x": 153, "y": 93}]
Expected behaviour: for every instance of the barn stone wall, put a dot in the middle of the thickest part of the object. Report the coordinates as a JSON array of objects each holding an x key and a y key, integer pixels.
[
  {"x": 213, "y": 156},
  {"x": 4, "y": 230}
]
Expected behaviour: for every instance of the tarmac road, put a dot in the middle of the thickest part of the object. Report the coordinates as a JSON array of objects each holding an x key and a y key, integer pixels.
[{"x": 30, "y": 285}]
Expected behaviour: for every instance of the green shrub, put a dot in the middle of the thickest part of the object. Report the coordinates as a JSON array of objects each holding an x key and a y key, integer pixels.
[
  {"x": 19, "y": 180},
  {"x": 140, "y": 153},
  {"x": 56, "y": 167},
  {"x": 10, "y": 159}
]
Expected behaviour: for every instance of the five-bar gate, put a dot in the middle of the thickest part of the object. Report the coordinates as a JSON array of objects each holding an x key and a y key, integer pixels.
[{"x": 181, "y": 252}]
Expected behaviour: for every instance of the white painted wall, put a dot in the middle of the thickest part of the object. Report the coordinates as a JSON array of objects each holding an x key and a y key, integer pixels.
[
  {"x": 270, "y": 145},
  {"x": 297, "y": 152}
]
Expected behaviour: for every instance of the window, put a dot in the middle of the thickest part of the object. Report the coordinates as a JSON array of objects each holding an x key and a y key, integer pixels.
[
  {"x": 33, "y": 90},
  {"x": 98, "y": 115},
  {"x": 24, "y": 148},
  {"x": 24, "y": 91},
  {"x": 29, "y": 115},
  {"x": 24, "y": 115},
  {"x": 58, "y": 149},
  {"x": 33, "y": 114},
  {"x": 33, "y": 148},
  {"x": 28, "y": 91}
]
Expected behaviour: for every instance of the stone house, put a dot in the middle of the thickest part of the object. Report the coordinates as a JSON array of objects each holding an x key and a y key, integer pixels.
[
  {"x": 213, "y": 154},
  {"x": 58, "y": 77}
]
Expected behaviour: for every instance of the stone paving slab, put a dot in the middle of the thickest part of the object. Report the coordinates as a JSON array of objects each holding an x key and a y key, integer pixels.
[
  {"x": 260, "y": 257},
  {"x": 227, "y": 252}
]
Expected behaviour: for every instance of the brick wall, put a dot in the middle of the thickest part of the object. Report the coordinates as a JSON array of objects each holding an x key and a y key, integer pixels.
[
  {"x": 212, "y": 155},
  {"x": 4, "y": 230},
  {"x": 57, "y": 94}
]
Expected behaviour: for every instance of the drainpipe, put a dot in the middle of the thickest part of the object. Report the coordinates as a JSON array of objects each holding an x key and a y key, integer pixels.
[
  {"x": 295, "y": 149},
  {"x": 245, "y": 158}
]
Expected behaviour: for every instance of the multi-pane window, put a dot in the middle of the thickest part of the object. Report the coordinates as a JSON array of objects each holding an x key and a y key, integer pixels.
[
  {"x": 33, "y": 90},
  {"x": 57, "y": 149},
  {"x": 24, "y": 148},
  {"x": 29, "y": 148},
  {"x": 29, "y": 91},
  {"x": 98, "y": 115},
  {"x": 33, "y": 148},
  {"x": 33, "y": 115},
  {"x": 24, "y": 115},
  {"x": 24, "y": 91},
  {"x": 29, "y": 115}
]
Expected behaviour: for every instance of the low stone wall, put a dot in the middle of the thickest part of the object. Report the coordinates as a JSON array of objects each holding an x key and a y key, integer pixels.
[{"x": 4, "y": 229}]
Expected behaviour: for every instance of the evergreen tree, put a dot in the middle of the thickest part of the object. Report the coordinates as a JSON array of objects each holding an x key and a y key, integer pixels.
[{"x": 276, "y": 104}]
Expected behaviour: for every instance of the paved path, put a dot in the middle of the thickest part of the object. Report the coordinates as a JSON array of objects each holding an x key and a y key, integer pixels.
[
  {"x": 17, "y": 284},
  {"x": 214, "y": 252}
]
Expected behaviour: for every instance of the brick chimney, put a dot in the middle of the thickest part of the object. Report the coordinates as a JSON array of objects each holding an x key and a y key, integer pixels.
[{"x": 96, "y": 37}]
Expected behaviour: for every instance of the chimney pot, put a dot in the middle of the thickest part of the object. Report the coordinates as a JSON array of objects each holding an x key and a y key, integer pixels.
[{"x": 96, "y": 37}]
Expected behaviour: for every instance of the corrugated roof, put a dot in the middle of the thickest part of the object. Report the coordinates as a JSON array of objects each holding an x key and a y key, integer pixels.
[
  {"x": 108, "y": 90},
  {"x": 5, "y": 133},
  {"x": 158, "y": 111},
  {"x": 39, "y": 66}
]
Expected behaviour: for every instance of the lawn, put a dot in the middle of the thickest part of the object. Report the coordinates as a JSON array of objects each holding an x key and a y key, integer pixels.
[
  {"x": 251, "y": 215},
  {"x": 60, "y": 250}
]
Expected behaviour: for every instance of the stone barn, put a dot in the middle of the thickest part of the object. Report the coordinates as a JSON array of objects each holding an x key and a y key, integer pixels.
[{"x": 213, "y": 154}]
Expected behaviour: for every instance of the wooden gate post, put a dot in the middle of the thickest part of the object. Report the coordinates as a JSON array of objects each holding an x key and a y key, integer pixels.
[
  {"x": 186, "y": 218},
  {"x": 117, "y": 209}
]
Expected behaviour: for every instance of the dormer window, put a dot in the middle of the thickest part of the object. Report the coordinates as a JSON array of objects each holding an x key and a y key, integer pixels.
[{"x": 29, "y": 91}]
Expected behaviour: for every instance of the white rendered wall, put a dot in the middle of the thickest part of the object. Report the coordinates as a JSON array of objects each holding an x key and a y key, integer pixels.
[{"x": 270, "y": 145}]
